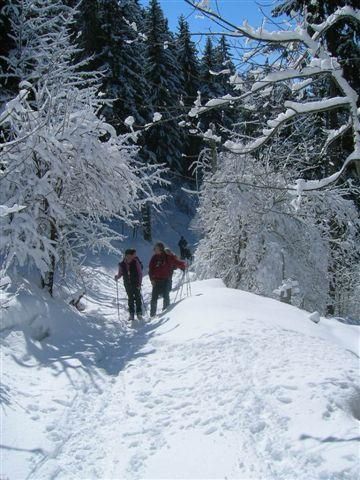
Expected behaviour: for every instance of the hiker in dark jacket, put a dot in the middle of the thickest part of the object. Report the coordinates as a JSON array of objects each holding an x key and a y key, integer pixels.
[
  {"x": 183, "y": 247},
  {"x": 161, "y": 268},
  {"x": 130, "y": 269}
]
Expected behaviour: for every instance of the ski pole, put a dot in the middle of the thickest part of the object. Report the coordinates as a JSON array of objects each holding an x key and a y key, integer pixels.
[
  {"x": 180, "y": 287},
  {"x": 189, "y": 282}
]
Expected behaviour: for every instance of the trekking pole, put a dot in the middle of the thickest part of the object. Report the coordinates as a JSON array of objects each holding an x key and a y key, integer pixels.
[
  {"x": 180, "y": 287},
  {"x": 189, "y": 282},
  {"x": 117, "y": 301}
]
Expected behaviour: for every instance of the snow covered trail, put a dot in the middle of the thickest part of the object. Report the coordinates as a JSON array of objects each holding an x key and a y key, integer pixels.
[{"x": 225, "y": 384}]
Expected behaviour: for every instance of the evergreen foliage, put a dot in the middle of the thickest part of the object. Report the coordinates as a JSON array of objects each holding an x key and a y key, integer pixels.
[{"x": 165, "y": 89}]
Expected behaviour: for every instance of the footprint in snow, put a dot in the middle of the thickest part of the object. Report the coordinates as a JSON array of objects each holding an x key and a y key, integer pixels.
[
  {"x": 210, "y": 430},
  {"x": 285, "y": 400},
  {"x": 257, "y": 427}
]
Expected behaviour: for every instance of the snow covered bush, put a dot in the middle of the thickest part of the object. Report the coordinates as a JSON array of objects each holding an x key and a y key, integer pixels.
[
  {"x": 254, "y": 239},
  {"x": 59, "y": 159}
]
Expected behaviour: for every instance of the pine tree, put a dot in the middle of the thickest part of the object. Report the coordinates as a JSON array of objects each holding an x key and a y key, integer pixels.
[
  {"x": 7, "y": 83},
  {"x": 210, "y": 87},
  {"x": 225, "y": 68},
  {"x": 164, "y": 84},
  {"x": 188, "y": 62},
  {"x": 111, "y": 34},
  {"x": 187, "y": 58},
  {"x": 224, "y": 63}
]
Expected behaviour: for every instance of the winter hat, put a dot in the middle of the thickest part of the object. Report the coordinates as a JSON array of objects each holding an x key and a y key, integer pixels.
[{"x": 160, "y": 246}]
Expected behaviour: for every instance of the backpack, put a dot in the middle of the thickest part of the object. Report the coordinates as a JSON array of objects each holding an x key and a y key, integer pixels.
[{"x": 141, "y": 264}]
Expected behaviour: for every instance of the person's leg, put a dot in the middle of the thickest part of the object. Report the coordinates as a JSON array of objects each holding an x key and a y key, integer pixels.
[
  {"x": 166, "y": 293},
  {"x": 154, "y": 299},
  {"x": 131, "y": 301},
  {"x": 137, "y": 295}
]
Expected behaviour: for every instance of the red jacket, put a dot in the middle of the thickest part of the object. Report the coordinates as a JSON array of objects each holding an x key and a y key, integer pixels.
[{"x": 162, "y": 266}]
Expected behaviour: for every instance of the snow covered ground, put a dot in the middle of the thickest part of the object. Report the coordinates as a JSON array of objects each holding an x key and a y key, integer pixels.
[{"x": 226, "y": 384}]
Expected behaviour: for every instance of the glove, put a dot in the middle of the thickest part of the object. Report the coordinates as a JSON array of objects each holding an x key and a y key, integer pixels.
[{"x": 116, "y": 278}]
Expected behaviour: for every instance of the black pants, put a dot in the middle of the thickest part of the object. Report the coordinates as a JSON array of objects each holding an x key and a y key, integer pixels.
[
  {"x": 160, "y": 288},
  {"x": 134, "y": 299}
]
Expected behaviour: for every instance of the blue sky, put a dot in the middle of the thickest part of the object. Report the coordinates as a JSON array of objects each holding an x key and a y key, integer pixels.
[{"x": 235, "y": 10}]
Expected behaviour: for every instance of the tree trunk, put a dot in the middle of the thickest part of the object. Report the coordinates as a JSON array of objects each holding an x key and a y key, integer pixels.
[
  {"x": 146, "y": 222},
  {"x": 47, "y": 281}
]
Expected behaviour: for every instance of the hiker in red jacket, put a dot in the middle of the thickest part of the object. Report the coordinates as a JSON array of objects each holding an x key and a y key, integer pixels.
[{"x": 161, "y": 268}]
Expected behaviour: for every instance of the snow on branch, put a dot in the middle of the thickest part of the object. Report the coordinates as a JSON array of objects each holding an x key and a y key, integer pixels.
[
  {"x": 314, "y": 61},
  {"x": 340, "y": 14},
  {"x": 299, "y": 34},
  {"x": 293, "y": 109},
  {"x": 302, "y": 185}
]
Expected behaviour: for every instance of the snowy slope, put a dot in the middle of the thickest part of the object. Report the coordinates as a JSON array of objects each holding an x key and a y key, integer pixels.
[
  {"x": 172, "y": 221},
  {"x": 226, "y": 384}
]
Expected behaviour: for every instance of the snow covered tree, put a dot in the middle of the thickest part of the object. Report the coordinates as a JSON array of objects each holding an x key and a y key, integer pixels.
[
  {"x": 255, "y": 240},
  {"x": 64, "y": 164},
  {"x": 164, "y": 84}
]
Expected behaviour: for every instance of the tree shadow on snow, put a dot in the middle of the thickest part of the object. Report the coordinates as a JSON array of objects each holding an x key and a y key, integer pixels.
[
  {"x": 329, "y": 439},
  {"x": 94, "y": 346}
]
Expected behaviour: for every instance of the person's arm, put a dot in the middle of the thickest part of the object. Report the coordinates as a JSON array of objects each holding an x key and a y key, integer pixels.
[
  {"x": 139, "y": 272},
  {"x": 120, "y": 273},
  {"x": 178, "y": 263}
]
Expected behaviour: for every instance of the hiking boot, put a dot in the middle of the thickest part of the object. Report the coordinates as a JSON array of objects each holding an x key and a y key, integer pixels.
[
  {"x": 140, "y": 317},
  {"x": 131, "y": 317}
]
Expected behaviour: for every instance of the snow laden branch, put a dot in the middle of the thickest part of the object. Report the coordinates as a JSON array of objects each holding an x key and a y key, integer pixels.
[
  {"x": 299, "y": 34},
  {"x": 313, "y": 62},
  {"x": 293, "y": 109}
]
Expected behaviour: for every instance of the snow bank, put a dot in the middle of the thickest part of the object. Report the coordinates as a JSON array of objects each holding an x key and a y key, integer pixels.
[{"x": 225, "y": 384}]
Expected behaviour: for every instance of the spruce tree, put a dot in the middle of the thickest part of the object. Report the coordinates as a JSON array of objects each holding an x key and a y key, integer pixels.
[
  {"x": 209, "y": 85},
  {"x": 188, "y": 62},
  {"x": 7, "y": 83},
  {"x": 164, "y": 83},
  {"x": 225, "y": 68},
  {"x": 224, "y": 63},
  {"x": 111, "y": 36},
  {"x": 187, "y": 58}
]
